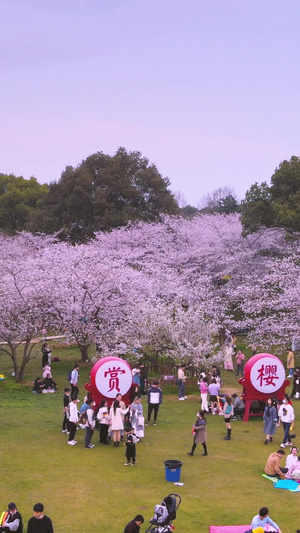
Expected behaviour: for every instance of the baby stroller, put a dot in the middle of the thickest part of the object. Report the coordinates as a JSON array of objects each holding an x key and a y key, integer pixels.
[{"x": 164, "y": 513}]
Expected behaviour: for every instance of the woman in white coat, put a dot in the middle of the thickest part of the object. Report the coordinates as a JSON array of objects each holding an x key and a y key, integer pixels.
[{"x": 116, "y": 421}]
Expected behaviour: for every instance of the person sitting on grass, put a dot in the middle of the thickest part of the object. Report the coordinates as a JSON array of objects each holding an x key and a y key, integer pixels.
[
  {"x": 49, "y": 383},
  {"x": 294, "y": 471},
  {"x": 292, "y": 457},
  {"x": 262, "y": 519},
  {"x": 238, "y": 406},
  {"x": 38, "y": 386},
  {"x": 273, "y": 467}
]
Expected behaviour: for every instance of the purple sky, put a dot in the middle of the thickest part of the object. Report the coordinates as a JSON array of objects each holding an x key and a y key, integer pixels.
[{"x": 207, "y": 90}]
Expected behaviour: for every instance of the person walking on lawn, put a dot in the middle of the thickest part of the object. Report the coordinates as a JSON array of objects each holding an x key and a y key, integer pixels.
[
  {"x": 286, "y": 415},
  {"x": 199, "y": 431},
  {"x": 154, "y": 399}
]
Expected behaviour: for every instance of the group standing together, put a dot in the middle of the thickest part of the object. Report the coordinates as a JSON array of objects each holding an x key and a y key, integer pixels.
[{"x": 113, "y": 421}]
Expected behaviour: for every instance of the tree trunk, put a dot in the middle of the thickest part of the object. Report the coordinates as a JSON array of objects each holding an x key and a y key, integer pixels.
[
  {"x": 15, "y": 362},
  {"x": 20, "y": 374},
  {"x": 19, "y": 370},
  {"x": 84, "y": 349}
]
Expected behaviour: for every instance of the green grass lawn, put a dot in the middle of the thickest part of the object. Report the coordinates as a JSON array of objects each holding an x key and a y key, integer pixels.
[{"x": 88, "y": 491}]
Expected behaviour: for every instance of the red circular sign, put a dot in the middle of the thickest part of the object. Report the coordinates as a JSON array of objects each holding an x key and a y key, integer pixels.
[
  {"x": 109, "y": 377},
  {"x": 265, "y": 372}
]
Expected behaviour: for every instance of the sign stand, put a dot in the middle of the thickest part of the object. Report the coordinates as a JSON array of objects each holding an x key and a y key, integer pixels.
[{"x": 264, "y": 377}]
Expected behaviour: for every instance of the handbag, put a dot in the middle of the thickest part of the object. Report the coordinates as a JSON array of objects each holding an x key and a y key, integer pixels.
[{"x": 141, "y": 420}]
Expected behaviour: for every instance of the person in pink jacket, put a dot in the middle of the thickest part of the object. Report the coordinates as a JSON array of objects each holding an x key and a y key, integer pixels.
[{"x": 203, "y": 393}]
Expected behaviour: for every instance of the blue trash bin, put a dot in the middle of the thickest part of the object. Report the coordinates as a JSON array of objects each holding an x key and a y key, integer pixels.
[{"x": 173, "y": 470}]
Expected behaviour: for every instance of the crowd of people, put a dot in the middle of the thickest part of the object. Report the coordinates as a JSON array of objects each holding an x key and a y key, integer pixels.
[
  {"x": 116, "y": 422},
  {"x": 119, "y": 422}
]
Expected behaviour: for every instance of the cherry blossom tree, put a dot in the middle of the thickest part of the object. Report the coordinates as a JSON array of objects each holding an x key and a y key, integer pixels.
[
  {"x": 23, "y": 291},
  {"x": 92, "y": 294},
  {"x": 171, "y": 287},
  {"x": 269, "y": 303}
]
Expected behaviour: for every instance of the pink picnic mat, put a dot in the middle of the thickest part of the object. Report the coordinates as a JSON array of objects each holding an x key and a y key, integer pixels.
[{"x": 229, "y": 529}]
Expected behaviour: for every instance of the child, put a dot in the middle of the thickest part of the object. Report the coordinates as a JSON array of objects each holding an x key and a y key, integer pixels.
[
  {"x": 130, "y": 449},
  {"x": 47, "y": 370}
]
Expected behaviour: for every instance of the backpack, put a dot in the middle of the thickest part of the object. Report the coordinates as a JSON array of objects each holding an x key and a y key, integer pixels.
[{"x": 70, "y": 375}]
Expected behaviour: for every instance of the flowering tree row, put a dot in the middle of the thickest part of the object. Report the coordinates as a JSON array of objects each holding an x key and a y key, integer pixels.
[{"x": 173, "y": 286}]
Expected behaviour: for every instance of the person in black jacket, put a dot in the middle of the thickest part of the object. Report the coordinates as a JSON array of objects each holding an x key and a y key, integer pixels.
[
  {"x": 39, "y": 523},
  {"x": 143, "y": 377},
  {"x": 130, "y": 449},
  {"x": 134, "y": 525},
  {"x": 66, "y": 401},
  {"x": 154, "y": 399},
  {"x": 14, "y": 520},
  {"x": 46, "y": 354},
  {"x": 296, "y": 384},
  {"x": 49, "y": 384},
  {"x": 38, "y": 385}
]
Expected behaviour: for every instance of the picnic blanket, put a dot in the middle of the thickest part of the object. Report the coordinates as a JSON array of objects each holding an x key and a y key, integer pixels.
[
  {"x": 288, "y": 484},
  {"x": 229, "y": 529},
  {"x": 271, "y": 478}
]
